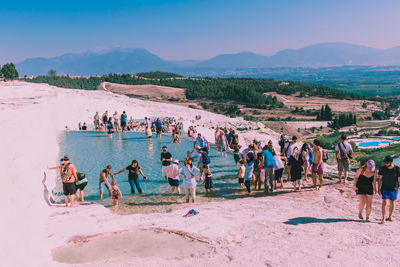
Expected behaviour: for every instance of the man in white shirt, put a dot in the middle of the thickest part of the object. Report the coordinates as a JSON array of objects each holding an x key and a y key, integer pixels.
[{"x": 344, "y": 152}]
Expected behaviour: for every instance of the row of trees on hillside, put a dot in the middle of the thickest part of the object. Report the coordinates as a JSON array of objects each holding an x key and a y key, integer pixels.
[
  {"x": 325, "y": 114},
  {"x": 340, "y": 120},
  {"x": 9, "y": 72}
]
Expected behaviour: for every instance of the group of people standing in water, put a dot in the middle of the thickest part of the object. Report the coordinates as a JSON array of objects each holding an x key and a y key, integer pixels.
[{"x": 258, "y": 164}]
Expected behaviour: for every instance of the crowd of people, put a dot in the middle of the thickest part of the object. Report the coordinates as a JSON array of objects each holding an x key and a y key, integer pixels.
[{"x": 258, "y": 164}]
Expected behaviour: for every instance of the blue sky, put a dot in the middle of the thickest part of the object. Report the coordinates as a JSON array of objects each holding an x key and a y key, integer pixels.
[{"x": 192, "y": 29}]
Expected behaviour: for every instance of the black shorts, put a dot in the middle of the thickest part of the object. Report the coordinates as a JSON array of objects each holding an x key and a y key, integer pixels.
[
  {"x": 365, "y": 192},
  {"x": 241, "y": 180},
  {"x": 69, "y": 189},
  {"x": 278, "y": 174},
  {"x": 81, "y": 186},
  {"x": 205, "y": 149},
  {"x": 123, "y": 124},
  {"x": 173, "y": 182}
]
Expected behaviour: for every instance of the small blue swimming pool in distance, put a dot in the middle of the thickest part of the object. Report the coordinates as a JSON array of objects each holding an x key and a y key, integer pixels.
[
  {"x": 396, "y": 138},
  {"x": 373, "y": 143},
  {"x": 91, "y": 152}
]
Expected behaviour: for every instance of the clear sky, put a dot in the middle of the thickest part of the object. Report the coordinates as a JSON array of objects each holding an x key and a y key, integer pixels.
[{"x": 192, "y": 29}]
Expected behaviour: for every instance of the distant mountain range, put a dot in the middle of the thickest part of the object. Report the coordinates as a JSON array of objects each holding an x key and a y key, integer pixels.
[{"x": 140, "y": 60}]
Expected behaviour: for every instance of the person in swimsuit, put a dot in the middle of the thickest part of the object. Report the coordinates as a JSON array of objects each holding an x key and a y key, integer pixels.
[
  {"x": 96, "y": 121},
  {"x": 133, "y": 176},
  {"x": 365, "y": 187},
  {"x": 240, "y": 173},
  {"x": 105, "y": 120},
  {"x": 208, "y": 183},
  {"x": 318, "y": 165},
  {"x": 115, "y": 193},
  {"x": 103, "y": 181}
]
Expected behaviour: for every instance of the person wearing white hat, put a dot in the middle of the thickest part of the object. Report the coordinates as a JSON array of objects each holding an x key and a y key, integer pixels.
[
  {"x": 365, "y": 187},
  {"x": 172, "y": 172}
]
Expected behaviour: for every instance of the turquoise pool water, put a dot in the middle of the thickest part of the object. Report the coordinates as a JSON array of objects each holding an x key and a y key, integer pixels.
[
  {"x": 396, "y": 138},
  {"x": 91, "y": 152},
  {"x": 373, "y": 143}
]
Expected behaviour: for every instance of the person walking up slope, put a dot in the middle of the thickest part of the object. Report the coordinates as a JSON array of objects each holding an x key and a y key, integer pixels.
[{"x": 388, "y": 186}]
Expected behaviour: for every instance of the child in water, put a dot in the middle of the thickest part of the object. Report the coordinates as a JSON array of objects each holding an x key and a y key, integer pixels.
[
  {"x": 115, "y": 193},
  {"x": 208, "y": 184}
]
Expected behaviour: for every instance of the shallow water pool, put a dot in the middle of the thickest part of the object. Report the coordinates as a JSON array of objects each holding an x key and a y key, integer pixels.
[
  {"x": 91, "y": 152},
  {"x": 373, "y": 143}
]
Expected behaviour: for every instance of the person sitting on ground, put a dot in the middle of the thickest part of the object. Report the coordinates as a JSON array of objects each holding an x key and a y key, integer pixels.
[
  {"x": 388, "y": 186},
  {"x": 365, "y": 187},
  {"x": 115, "y": 193},
  {"x": 344, "y": 153},
  {"x": 103, "y": 181},
  {"x": 68, "y": 178},
  {"x": 84, "y": 127},
  {"x": 173, "y": 176}
]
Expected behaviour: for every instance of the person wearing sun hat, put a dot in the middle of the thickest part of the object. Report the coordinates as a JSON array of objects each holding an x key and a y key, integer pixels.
[
  {"x": 172, "y": 172},
  {"x": 365, "y": 187},
  {"x": 68, "y": 177},
  {"x": 388, "y": 186}
]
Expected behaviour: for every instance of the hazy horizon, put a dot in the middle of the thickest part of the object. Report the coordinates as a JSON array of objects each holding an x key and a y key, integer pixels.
[{"x": 188, "y": 30}]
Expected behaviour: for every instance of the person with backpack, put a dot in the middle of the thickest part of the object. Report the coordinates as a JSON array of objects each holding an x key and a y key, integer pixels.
[
  {"x": 282, "y": 143},
  {"x": 268, "y": 166},
  {"x": 288, "y": 150},
  {"x": 68, "y": 178},
  {"x": 388, "y": 186},
  {"x": 203, "y": 159},
  {"x": 344, "y": 153}
]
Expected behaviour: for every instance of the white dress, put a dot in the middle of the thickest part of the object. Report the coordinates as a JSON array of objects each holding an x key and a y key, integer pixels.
[{"x": 189, "y": 180}]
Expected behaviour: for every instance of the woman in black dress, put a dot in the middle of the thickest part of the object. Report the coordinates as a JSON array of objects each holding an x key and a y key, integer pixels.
[
  {"x": 296, "y": 168},
  {"x": 365, "y": 187}
]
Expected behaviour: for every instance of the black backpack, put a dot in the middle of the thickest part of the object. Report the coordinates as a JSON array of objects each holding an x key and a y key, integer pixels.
[{"x": 205, "y": 158}]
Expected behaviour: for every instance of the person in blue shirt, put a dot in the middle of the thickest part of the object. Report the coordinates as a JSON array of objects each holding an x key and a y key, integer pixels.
[
  {"x": 268, "y": 163},
  {"x": 202, "y": 143},
  {"x": 158, "y": 125}
]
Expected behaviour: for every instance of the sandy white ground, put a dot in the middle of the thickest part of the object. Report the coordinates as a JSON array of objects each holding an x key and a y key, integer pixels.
[{"x": 289, "y": 229}]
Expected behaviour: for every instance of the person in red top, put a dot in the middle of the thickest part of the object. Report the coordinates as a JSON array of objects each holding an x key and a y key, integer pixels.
[{"x": 68, "y": 178}]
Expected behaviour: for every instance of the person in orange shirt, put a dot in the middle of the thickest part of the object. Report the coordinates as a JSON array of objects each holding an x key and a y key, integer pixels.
[{"x": 68, "y": 178}]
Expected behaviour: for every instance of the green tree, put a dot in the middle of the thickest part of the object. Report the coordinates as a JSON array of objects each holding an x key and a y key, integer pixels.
[
  {"x": 52, "y": 73},
  {"x": 9, "y": 71}
]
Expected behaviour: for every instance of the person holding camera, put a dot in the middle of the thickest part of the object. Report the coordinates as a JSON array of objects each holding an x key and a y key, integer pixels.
[{"x": 344, "y": 153}]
